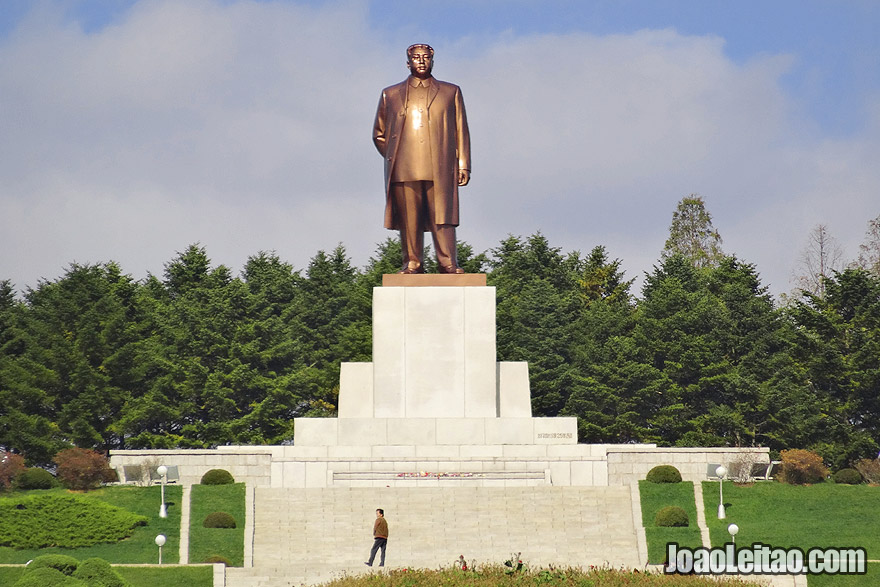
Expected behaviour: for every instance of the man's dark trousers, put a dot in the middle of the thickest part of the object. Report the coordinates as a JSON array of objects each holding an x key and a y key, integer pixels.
[{"x": 377, "y": 544}]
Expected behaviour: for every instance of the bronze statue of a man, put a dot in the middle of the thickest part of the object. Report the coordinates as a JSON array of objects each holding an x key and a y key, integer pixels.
[{"x": 421, "y": 131}]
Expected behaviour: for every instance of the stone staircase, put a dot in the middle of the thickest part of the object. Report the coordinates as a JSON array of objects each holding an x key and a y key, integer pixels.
[{"x": 309, "y": 536}]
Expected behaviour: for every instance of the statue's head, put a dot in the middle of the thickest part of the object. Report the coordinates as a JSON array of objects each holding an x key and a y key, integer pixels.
[{"x": 420, "y": 60}]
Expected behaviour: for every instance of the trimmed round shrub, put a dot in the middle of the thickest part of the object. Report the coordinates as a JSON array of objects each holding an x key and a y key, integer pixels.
[
  {"x": 35, "y": 478},
  {"x": 848, "y": 477},
  {"x": 96, "y": 572},
  {"x": 663, "y": 474},
  {"x": 62, "y": 563},
  {"x": 671, "y": 516},
  {"x": 217, "y": 559},
  {"x": 219, "y": 520},
  {"x": 217, "y": 477},
  {"x": 47, "y": 577}
]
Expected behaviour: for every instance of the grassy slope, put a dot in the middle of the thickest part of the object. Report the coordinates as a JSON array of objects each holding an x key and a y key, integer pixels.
[
  {"x": 140, "y": 547},
  {"x": 782, "y": 515},
  {"x": 655, "y": 496},
  {"x": 141, "y": 576},
  {"x": 205, "y": 542}
]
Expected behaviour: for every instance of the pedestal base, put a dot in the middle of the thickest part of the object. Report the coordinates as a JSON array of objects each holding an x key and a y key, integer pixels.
[{"x": 434, "y": 431}]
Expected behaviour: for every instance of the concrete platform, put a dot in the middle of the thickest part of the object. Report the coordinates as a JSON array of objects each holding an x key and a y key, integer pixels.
[{"x": 309, "y": 535}]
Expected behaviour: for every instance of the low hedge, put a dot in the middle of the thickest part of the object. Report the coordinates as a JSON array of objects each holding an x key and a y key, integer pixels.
[
  {"x": 219, "y": 520},
  {"x": 847, "y": 477},
  {"x": 35, "y": 478},
  {"x": 64, "y": 571},
  {"x": 217, "y": 477},
  {"x": 672, "y": 516},
  {"x": 65, "y": 521},
  {"x": 663, "y": 474},
  {"x": 98, "y": 573},
  {"x": 46, "y": 577},
  {"x": 60, "y": 562}
]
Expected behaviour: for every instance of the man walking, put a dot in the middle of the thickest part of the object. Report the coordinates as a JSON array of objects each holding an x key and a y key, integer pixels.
[{"x": 380, "y": 538}]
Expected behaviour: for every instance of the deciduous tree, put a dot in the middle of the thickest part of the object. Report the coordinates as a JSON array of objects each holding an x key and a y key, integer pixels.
[{"x": 692, "y": 234}]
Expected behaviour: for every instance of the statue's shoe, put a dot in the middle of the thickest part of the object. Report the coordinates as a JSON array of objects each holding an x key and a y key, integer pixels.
[{"x": 455, "y": 270}]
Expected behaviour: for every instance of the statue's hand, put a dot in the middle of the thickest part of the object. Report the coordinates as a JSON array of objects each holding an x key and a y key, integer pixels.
[{"x": 464, "y": 176}]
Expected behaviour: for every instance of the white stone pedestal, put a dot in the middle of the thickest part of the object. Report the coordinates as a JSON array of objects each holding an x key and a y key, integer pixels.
[
  {"x": 434, "y": 379},
  {"x": 434, "y": 357}
]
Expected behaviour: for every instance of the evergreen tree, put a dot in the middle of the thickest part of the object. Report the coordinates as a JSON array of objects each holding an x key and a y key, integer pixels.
[
  {"x": 537, "y": 307},
  {"x": 839, "y": 346}
]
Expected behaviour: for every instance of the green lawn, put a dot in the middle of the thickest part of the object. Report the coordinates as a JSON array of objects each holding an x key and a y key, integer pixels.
[
  {"x": 206, "y": 542},
  {"x": 819, "y": 515},
  {"x": 655, "y": 496},
  {"x": 140, "y": 547},
  {"x": 200, "y": 576}
]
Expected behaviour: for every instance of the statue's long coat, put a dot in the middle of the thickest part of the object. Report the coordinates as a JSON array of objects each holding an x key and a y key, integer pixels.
[{"x": 450, "y": 144}]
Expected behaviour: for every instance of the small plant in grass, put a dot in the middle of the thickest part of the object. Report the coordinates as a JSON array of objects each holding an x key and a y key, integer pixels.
[
  {"x": 11, "y": 466},
  {"x": 870, "y": 470},
  {"x": 35, "y": 478},
  {"x": 802, "y": 467},
  {"x": 514, "y": 564},
  {"x": 217, "y": 477},
  {"x": 81, "y": 469},
  {"x": 847, "y": 477},
  {"x": 663, "y": 474},
  {"x": 219, "y": 520},
  {"x": 672, "y": 516},
  {"x": 214, "y": 559}
]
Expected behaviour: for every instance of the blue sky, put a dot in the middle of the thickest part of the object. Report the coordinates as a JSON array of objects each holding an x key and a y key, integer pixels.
[{"x": 135, "y": 128}]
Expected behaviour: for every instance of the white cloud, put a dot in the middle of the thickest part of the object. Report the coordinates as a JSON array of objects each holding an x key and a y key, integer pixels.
[{"x": 245, "y": 126}]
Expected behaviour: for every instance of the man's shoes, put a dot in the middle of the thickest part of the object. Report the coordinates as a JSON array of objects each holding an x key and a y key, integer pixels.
[
  {"x": 382, "y": 565},
  {"x": 370, "y": 564},
  {"x": 410, "y": 271}
]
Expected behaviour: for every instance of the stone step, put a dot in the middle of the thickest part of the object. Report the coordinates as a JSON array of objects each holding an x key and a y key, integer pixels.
[{"x": 307, "y": 535}]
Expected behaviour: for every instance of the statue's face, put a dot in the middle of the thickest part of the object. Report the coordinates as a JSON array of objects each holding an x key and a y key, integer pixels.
[{"x": 420, "y": 63}]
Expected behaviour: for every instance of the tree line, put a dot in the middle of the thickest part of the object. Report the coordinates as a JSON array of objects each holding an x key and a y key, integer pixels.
[{"x": 703, "y": 356}]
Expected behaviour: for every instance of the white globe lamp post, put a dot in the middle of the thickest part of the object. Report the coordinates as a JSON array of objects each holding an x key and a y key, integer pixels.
[
  {"x": 721, "y": 471},
  {"x": 160, "y": 542},
  {"x": 733, "y": 529},
  {"x": 163, "y": 472}
]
